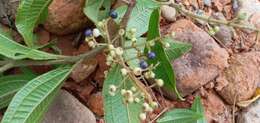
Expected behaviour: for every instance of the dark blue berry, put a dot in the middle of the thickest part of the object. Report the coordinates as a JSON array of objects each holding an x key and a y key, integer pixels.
[
  {"x": 88, "y": 33},
  {"x": 151, "y": 55},
  {"x": 113, "y": 14},
  {"x": 143, "y": 64}
]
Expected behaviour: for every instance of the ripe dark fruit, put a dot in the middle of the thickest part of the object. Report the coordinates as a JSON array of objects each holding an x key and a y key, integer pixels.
[
  {"x": 151, "y": 55},
  {"x": 143, "y": 64},
  {"x": 113, "y": 14},
  {"x": 88, "y": 33}
]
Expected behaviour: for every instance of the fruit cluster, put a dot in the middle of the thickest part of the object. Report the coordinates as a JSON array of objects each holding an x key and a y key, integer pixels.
[{"x": 143, "y": 71}]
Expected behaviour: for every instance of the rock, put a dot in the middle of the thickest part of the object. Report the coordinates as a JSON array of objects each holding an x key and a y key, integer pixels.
[
  {"x": 67, "y": 109},
  {"x": 252, "y": 10},
  {"x": 225, "y": 33},
  {"x": 66, "y": 16},
  {"x": 215, "y": 109},
  {"x": 83, "y": 70},
  {"x": 251, "y": 114},
  {"x": 8, "y": 10},
  {"x": 95, "y": 104},
  {"x": 220, "y": 4},
  {"x": 202, "y": 64},
  {"x": 169, "y": 13},
  {"x": 240, "y": 79}
]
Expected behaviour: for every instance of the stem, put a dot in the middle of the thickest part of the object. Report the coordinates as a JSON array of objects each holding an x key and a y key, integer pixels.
[
  {"x": 6, "y": 67},
  {"x": 208, "y": 19},
  {"x": 69, "y": 59},
  {"x": 125, "y": 19}
]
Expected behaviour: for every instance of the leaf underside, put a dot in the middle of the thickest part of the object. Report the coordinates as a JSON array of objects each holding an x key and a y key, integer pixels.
[
  {"x": 32, "y": 101},
  {"x": 9, "y": 85}
]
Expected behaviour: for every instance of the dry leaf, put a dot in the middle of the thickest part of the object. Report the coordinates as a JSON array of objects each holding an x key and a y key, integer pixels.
[{"x": 248, "y": 102}]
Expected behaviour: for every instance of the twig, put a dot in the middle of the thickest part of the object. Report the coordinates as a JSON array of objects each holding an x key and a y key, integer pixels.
[
  {"x": 131, "y": 5},
  {"x": 164, "y": 110},
  {"x": 181, "y": 9},
  {"x": 125, "y": 19}
]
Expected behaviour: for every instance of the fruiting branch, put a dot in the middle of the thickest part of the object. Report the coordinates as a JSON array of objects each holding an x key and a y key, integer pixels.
[{"x": 182, "y": 10}]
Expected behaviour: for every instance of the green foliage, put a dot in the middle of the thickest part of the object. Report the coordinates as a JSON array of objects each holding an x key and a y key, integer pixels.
[
  {"x": 164, "y": 70},
  {"x": 16, "y": 51},
  {"x": 29, "y": 14},
  {"x": 140, "y": 15},
  {"x": 176, "y": 49},
  {"x": 117, "y": 111},
  {"x": 29, "y": 104},
  {"x": 193, "y": 115},
  {"x": 97, "y": 10},
  {"x": 132, "y": 53},
  {"x": 9, "y": 85}
]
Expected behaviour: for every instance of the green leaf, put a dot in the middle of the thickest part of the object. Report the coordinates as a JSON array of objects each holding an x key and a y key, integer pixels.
[
  {"x": 194, "y": 115},
  {"x": 140, "y": 15},
  {"x": 116, "y": 111},
  {"x": 164, "y": 70},
  {"x": 198, "y": 108},
  {"x": 29, "y": 14},
  {"x": 132, "y": 53},
  {"x": 180, "y": 116},
  {"x": 16, "y": 51},
  {"x": 97, "y": 10},
  {"x": 31, "y": 102},
  {"x": 176, "y": 49},
  {"x": 9, "y": 85}
]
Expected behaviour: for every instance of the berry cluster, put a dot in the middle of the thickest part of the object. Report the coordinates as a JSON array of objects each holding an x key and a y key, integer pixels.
[{"x": 115, "y": 55}]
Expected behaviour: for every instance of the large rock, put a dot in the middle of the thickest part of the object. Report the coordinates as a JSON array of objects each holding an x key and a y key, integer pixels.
[
  {"x": 215, "y": 109},
  {"x": 66, "y": 16},
  {"x": 251, "y": 114},
  {"x": 239, "y": 81},
  {"x": 203, "y": 63},
  {"x": 67, "y": 109}
]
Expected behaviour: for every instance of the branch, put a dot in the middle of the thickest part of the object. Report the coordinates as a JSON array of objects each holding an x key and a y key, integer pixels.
[
  {"x": 179, "y": 8},
  {"x": 69, "y": 59},
  {"x": 131, "y": 4}
]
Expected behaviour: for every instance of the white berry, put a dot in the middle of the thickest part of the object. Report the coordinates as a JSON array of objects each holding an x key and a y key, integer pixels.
[
  {"x": 142, "y": 116},
  {"x": 166, "y": 45},
  {"x": 124, "y": 71},
  {"x": 154, "y": 104},
  {"x": 137, "y": 71},
  {"x": 91, "y": 44},
  {"x": 96, "y": 32},
  {"x": 137, "y": 100},
  {"x": 112, "y": 88},
  {"x": 119, "y": 51},
  {"x": 123, "y": 92},
  {"x": 130, "y": 99},
  {"x": 133, "y": 89},
  {"x": 111, "y": 47},
  {"x": 159, "y": 82}
]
